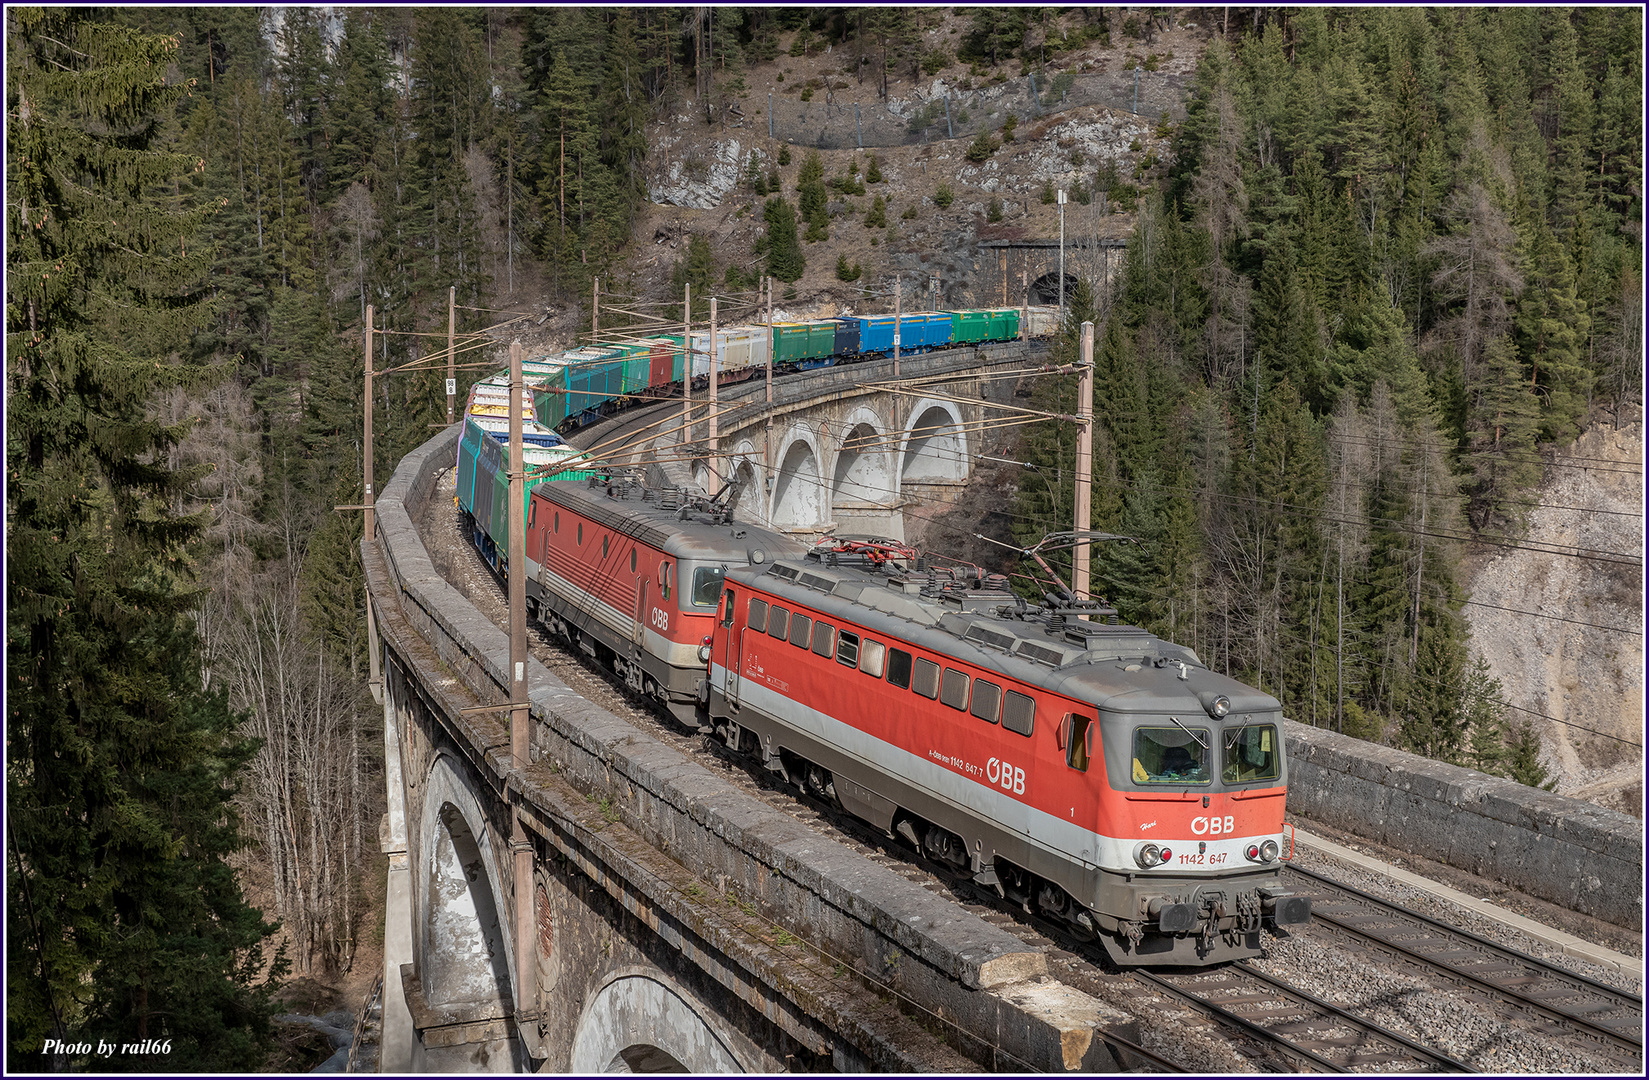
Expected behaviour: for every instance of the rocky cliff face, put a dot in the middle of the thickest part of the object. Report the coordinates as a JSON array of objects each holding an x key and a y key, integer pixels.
[{"x": 1587, "y": 671}]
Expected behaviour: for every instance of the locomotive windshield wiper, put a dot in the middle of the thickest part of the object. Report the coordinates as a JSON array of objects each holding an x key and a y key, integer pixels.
[{"x": 1188, "y": 731}]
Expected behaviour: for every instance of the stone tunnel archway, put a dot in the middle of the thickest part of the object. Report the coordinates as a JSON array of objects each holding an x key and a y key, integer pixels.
[
  {"x": 463, "y": 940},
  {"x": 798, "y": 489},
  {"x": 935, "y": 446},
  {"x": 642, "y": 1021},
  {"x": 1045, "y": 289}
]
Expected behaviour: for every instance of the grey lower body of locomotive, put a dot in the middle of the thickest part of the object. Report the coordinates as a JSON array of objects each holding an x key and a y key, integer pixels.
[
  {"x": 681, "y": 690},
  {"x": 1157, "y": 920}
]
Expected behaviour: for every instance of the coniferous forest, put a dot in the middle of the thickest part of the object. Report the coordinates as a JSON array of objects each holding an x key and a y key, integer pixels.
[{"x": 1394, "y": 254}]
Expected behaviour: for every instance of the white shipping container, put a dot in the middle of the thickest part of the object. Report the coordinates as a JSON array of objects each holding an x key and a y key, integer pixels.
[
  {"x": 737, "y": 348},
  {"x": 489, "y": 399},
  {"x": 1041, "y": 321}
]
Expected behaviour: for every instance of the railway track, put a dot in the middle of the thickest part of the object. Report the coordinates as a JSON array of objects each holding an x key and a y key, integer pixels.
[
  {"x": 1277, "y": 1026},
  {"x": 1551, "y": 1000},
  {"x": 1297, "y": 1028}
]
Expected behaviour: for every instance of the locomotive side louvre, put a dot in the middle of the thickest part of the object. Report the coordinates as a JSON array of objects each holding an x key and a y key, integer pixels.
[
  {"x": 629, "y": 577},
  {"x": 947, "y": 748}
]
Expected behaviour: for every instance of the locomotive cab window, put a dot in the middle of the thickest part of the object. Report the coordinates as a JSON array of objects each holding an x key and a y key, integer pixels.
[
  {"x": 823, "y": 639},
  {"x": 757, "y": 620},
  {"x": 778, "y": 622},
  {"x": 847, "y": 648},
  {"x": 1170, "y": 755},
  {"x": 532, "y": 514},
  {"x": 872, "y": 658},
  {"x": 1251, "y": 754},
  {"x": 1078, "y": 733},
  {"x": 898, "y": 668},
  {"x": 707, "y": 586},
  {"x": 728, "y": 602},
  {"x": 801, "y": 627}
]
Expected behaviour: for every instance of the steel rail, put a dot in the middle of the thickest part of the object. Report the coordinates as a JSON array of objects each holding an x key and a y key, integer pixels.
[{"x": 1620, "y": 999}]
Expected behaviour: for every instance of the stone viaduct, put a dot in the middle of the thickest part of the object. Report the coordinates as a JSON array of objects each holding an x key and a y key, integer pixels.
[{"x": 843, "y": 449}]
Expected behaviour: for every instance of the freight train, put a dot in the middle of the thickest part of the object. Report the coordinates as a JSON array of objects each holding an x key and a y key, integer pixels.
[
  {"x": 1090, "y": 772},
  {"x": 578, "y": 386}
]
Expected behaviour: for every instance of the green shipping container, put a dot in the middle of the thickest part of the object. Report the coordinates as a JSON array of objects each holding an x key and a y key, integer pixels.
[
  {"x": 985, "y": 324},
  {"x": 637, "y": 365},
  {"x": 549, "y": 397},
  {"x": 969, "y": 326},
  {"x": 821, "y": 338},
  {"x": 790, "y": 342}
]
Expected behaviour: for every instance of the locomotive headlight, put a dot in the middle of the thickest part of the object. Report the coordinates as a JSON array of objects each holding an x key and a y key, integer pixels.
[
  {"x": 1219, "y": 707},
  {"x": 704, "y": 654},
  {"x": 1147, "y": 856},
  {"x": 1268, "y": 851}
]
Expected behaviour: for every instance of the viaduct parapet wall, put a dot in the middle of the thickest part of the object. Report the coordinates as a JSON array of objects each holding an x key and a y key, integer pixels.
[{"x": 1574, "y": 854}]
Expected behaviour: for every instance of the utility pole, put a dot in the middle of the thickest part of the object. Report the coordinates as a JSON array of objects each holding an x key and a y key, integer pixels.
[
  {"x": 452, "y": 325},
  {"x": 1062, "y": 255},
  {"x": 896, "y": 284},
  {"x": 370, "y": 531},
  {"x": 1084, "y": 464},
  {"x": 687, "y": 363},
  {"x": 715, "y": 465},
  {"x": 520, "y": 846},
  {"x": 595, "y": 310},
  {"x": 771, "y": 351},
  {"x": 767, "y": 430},
  {"x": 1024, "y": 305},
  {"x": 366, "y": 434}
]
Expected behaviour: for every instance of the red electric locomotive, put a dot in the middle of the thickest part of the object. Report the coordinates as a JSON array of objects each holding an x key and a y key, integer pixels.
[
  {"x": 1089, "y": 771},
  {"x": 632, "y": 576}
]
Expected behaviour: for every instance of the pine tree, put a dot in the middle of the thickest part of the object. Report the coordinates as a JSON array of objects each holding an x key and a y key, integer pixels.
[
  {"x": 784, "y": 253},
  {"x": 812, "y": 197},
  {"x": 1552, "y": 324},
  {"x": 698, "y": 269},
  {"x": 362, "y": 104},
  {"x": 124, "y": 921},
  {"x": 1523, "y": 763},
  {"x": 1503, "y": 419},
  {"x": 1485, "y": 718}
]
